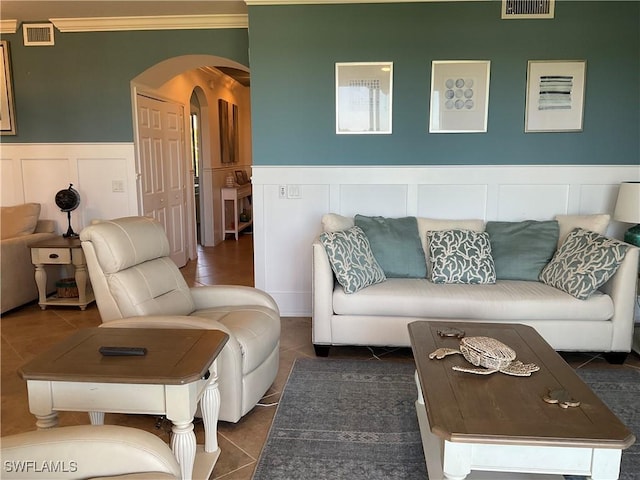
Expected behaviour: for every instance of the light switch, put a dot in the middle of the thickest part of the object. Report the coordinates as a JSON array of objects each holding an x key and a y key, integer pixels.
[
  {"x": 294, "y": 191},
  {"x": 117, "y": 186}
]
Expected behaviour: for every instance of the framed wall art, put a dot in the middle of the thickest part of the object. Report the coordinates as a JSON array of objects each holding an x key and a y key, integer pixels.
[
  {"x": 364, "y": 97},
  {"x": 229, "y": 134},
  {"x": 7, "y": 107},
  {"x": 459, "y": 96},
  {"x": 555, "y": 96}
]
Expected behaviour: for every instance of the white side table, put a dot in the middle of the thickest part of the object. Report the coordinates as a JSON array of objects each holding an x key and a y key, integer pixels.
[
  {"x": 176, "y": 374},
  {"x": 61, "y": 251},
  {"x": 236, "y": 195}
]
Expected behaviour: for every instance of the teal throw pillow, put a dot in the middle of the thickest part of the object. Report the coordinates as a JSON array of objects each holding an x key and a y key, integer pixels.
[
  {"x": 584, "y": 262},
  {"x": 520, "y": 250},
  {"x": 395, "y": 242},
  {"x": 351, "y": 259},
  {"x": 460, "y": 256}
]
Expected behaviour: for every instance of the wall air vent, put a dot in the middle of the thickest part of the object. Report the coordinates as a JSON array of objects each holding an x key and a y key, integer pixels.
[
  {"x": 521, "y": 9},
  {"x": 37, "y": 34}
]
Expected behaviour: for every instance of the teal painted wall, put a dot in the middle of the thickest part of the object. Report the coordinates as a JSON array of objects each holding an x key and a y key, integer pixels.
[
  {"x": 293, "y": 50},
  {"x": 79, "y": 89}
]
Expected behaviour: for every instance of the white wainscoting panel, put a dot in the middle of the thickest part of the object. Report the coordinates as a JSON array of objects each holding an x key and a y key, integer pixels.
[
  {"x": 285, "y": 228},
  {"x": 534, "y": 202},
  {"x": 36, "y": 172},
  {"x": 41, "y": 180},
  {"x": 452, "y": 201},
  {"x": 365, "y": 200},
  {"x": 11, "y": 183},
  {"x": 98, "y": 186}
]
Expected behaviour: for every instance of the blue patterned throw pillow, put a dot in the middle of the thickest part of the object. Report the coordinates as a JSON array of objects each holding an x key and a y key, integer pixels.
[
  {"x": 584, "y": 262},
  {"x": 460, "y": 256},
  {"x": 351, "y": 259}
]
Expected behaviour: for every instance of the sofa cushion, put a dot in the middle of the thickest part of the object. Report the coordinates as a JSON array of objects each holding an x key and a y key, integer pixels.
[
  {"x": 351, "y": 259},
  {"x": 505, "y": 300},
  {"x": 434, "y": 224},
  {"x": 595, "y": 223},
  {"x": 460, "y": 256},
  {"x": 584, "y": 262},
  {"x": 19, "y": 220},
  {"x": 520, "y": 250},
  {"x": 332, "y": 222},
  {"x": 396, "y": 245}
]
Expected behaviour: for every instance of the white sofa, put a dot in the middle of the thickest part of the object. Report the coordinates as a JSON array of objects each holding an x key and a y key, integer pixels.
[{"x": 378, "y": 315}]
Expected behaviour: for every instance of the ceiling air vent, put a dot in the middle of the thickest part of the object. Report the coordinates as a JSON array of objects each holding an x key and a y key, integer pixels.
[
  {"x": 527, "y": 8},
  {"x": 37, "y": 34}
]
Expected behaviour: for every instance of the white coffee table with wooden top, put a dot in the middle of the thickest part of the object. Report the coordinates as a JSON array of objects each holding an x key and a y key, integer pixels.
[
  {"x": 500, "y": 423},
  {"x": 170, "y": 380}
]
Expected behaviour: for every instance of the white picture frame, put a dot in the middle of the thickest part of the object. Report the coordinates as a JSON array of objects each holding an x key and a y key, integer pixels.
[
  {"x": 559, "y": 108},
  {"x": 364, "y": 97},
  {"x": 459, "y": 96},
  {"x": 7, "y": 106}
]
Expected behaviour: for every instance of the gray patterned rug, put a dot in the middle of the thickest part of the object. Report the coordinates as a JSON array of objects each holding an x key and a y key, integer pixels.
[
  {"x": 345, "y": 419},
  {"x": 354, "y": 419},
  {"x": 620, "y": 389}
]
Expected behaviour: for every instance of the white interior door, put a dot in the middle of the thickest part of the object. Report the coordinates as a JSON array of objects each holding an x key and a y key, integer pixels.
[{"x": 161, "y": 169}]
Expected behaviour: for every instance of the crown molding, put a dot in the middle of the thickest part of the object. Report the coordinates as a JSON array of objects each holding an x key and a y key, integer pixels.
[
  {"x": 165, "y": 22},
  {"x": 8, "y": 26}
]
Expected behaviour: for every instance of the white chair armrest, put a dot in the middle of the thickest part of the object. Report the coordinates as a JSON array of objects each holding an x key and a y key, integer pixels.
[
  {"x": 87, "y": 451},
  {"x": 212, "y": 296}
]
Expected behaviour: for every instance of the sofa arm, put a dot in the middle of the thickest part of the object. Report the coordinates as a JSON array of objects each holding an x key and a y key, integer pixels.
[
  {"x": 622, "y": 288},
  {"x": 322, "y": 285},
  {"x": 45, "y": 226}
]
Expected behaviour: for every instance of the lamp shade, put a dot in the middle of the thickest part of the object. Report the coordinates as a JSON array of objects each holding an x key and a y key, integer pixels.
[{"x": 628, "y": 204}]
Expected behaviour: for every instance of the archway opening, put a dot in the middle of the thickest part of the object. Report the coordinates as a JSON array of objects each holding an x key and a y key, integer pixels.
[{"x": 197, "y": 82}]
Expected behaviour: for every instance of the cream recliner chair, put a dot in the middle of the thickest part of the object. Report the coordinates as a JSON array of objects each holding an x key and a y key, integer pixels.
[
  {"x": 87, "y": 451},
  {"x": 132, "y": 275}
]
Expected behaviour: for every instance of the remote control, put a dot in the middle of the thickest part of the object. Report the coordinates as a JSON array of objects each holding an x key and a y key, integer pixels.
[{"x": 122, "y": 351}]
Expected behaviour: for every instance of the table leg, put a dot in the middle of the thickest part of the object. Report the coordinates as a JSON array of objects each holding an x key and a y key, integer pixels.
[
  {"x": 47, "y": 421},
  {"x": 456, "y": 462},
  {"x": 81, "y": 283},
  {"x": 41, "y": 282},
  {"x": 41, "y": 403},
  {"x": 210, "y": 407},
  {"x": 97, "y": 418},
  {"x": 605, "y": 464},
  {"x": 183, "y": 444}
]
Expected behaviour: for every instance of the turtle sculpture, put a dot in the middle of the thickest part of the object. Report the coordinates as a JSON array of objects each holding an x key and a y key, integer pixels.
[{"x": 490, "y": 354}]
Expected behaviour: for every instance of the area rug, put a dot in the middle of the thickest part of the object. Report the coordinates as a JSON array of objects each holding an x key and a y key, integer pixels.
[
  {"x": 356, "y": 420},
  {"x": 619, "y": 388},
  {"x": 345, "y": 419}
]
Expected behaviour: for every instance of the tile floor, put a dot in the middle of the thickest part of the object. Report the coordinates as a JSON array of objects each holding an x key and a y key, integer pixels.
[{"x": 27, "y": 331}]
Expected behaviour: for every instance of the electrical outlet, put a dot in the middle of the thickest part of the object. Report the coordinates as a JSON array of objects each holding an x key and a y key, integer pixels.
[{"x": 282, "y": 191}]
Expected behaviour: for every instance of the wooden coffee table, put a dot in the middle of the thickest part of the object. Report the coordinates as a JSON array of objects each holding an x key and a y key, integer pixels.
[
  {"x": 500, "y": 423},
  {"x": 170, "y": 380}
]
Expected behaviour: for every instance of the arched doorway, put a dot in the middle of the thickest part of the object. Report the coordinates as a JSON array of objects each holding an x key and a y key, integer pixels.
[
  {"x": 199, "y": 122},
  {"x": 180, "y": 80}
]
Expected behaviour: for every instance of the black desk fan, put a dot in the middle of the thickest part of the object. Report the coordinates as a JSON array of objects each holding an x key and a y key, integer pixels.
[{"x": 68, "y": 200}]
